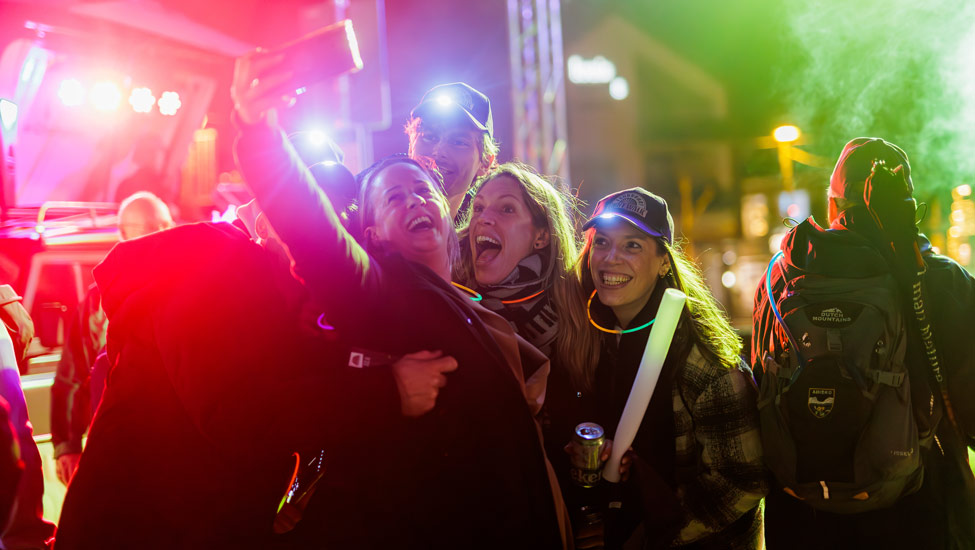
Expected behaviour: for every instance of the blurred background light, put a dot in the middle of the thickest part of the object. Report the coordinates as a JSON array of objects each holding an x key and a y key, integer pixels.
[
  {"x": 169, "y": 103},
  {"x": 141, "y": 100},
  {"x": 71, "y": 92},
  {"x": 619, "y": 88},
  {"x": 728, "y": 279},
  {"x": 105, "y": 96},
  {"x": 597, "y": 70}
]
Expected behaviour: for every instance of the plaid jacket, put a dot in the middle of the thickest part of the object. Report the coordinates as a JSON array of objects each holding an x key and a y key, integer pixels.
[{"x": 721, "y": 477}]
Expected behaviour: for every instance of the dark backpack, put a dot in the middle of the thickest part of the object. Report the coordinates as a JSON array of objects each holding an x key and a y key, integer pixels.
[{"x": 838, "y": 426}]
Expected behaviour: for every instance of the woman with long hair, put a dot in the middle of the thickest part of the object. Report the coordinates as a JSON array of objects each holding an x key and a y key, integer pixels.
[
  {"x": 518, "y": 250},
  {"x": 697, "y": 475}
]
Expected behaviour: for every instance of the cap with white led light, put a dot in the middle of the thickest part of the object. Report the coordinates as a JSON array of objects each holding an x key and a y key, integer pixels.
[
  {"x": 451, "y": 99},
  {"x": 643, "y": 209}
]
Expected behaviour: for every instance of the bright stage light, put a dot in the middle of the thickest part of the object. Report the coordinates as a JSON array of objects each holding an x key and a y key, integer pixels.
[
  {"x": 444, "y": 100},
  {"x": 8, "y": 113},
  {"x": 71, "y": 92},
  {"x": 105, "y": 96},
  {"x": 169, "y": 103},
  {"x": 141, "y": 100}
]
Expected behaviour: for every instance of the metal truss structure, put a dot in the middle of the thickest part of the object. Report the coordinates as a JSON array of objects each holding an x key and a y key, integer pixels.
[{"x": 538, "y": 85}]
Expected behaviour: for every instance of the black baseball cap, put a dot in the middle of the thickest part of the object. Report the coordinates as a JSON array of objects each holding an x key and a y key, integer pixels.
[
  {"x": 456, "y": 98},
  {"x": 646, "y": 211},
  {"x": 856, "y": 163}
]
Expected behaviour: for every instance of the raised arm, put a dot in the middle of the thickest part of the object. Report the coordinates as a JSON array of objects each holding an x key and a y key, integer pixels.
[{"x": 333, "y": 266}]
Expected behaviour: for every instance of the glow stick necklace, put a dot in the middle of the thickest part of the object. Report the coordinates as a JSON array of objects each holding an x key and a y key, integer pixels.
[
  {"x": 627, "y": 331},
  {"x": 475, "y": 295},
  {"x": 525, "y": 299}
]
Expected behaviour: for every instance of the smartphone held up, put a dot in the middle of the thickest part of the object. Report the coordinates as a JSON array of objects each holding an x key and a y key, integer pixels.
[{"x": 319, "y": 56}]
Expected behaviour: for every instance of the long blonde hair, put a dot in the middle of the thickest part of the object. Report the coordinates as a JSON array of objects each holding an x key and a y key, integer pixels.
[
  {"x": 551, "y": 206},
  {"x": 702, "y": 322}
]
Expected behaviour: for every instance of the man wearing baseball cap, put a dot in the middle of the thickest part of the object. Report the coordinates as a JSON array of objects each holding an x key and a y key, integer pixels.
[
  {"x": 871, "y": 205},
  {"x": 453, "y": 125}
]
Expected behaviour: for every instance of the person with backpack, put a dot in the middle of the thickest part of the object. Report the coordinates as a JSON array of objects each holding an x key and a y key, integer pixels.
[{"x": 867, "y": 368}]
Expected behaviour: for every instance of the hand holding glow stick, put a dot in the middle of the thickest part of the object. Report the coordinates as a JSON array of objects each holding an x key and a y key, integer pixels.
[{"x": 668, "y": 313}]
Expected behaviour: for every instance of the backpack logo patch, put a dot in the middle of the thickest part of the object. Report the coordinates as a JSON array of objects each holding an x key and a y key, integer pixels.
[
  {"x": 821, "y": 401},
  {"x": 834, "y": 314}
]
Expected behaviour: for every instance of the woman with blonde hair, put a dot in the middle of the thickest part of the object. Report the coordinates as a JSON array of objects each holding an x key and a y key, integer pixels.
[{"x": 697, "y": 474}]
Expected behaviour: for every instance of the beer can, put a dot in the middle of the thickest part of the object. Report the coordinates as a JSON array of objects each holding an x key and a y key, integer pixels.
[{"x": 586, "y": 470}]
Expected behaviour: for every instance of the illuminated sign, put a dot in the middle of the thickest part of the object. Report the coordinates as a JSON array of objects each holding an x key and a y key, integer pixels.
[{"x": 597, "y": 70}]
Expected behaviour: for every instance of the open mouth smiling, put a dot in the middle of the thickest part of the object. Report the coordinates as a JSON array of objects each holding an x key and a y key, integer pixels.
[
  {"x": 613, "y": 280},
  {"x": 420, "y": 223},
  {"x": 487, "y": 248}
]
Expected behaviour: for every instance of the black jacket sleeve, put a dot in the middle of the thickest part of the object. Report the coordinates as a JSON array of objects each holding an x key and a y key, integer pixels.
[{"x": 335, "y": 269}]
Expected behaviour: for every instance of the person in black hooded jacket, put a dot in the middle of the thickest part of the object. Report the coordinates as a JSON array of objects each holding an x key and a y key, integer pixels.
[{"x": 941, "y": 514}]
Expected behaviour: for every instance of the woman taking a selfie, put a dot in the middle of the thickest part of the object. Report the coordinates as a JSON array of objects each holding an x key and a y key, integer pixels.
[
  {"x": 697, "y": 476},
  {"x": 471, "y": 472}
]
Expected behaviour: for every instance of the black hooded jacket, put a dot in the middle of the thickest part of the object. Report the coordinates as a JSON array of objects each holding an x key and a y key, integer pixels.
[{"x": 942, "y": 513}]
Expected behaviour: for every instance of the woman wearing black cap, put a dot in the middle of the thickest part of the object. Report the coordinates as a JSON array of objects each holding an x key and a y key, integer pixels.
[{"x": 697, "y": 476}]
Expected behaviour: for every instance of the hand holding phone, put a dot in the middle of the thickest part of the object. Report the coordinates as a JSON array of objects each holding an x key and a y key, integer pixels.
[{"x": 267, "y": 79}]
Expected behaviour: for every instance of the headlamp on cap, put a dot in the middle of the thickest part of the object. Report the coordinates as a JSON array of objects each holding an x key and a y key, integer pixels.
[{"x": 444, "y": 100}]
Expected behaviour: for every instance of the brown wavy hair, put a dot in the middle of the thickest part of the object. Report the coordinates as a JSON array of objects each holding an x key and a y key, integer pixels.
[{"x": 551, "y": 206}]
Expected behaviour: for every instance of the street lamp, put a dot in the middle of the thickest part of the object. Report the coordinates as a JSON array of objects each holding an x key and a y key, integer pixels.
[
  {"x": 786, "y": 134},
  {"x": 784, "y": 137}
]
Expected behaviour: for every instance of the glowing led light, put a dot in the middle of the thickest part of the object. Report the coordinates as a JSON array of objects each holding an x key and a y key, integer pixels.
[
  {"x": 786, "y": 134},
  {"x": 71, "y": 92},
  {"x": 964, "y": 190},
  {"x": 607, "y": 216},
  {"x": 619, "y": 88},
  {"x": 955, "y": 232},
  {"x": 444, "y": 100},
  {"x": 169, "y": 103},
  {"x": 329, "y": 163},
  {"x": 729, "y": 257},
  {"x": 141, "y": 100},
  {"x": 728, "y": 279},
  {"x": 317, "y": 138},
  {"x": 8, "y": 113},
  {"x": 793, "y": 210},
  {"x": 105, "y": 96}
]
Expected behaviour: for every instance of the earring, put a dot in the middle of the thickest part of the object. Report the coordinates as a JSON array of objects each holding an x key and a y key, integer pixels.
[{"x": 539, "y": 244}]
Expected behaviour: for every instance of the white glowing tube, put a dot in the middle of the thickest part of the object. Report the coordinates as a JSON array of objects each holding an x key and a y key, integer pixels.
[{"x": 654, "y": 354}]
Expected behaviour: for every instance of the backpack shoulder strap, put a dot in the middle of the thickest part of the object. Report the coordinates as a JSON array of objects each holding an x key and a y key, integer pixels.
[{"x": 778, "y": 315}]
